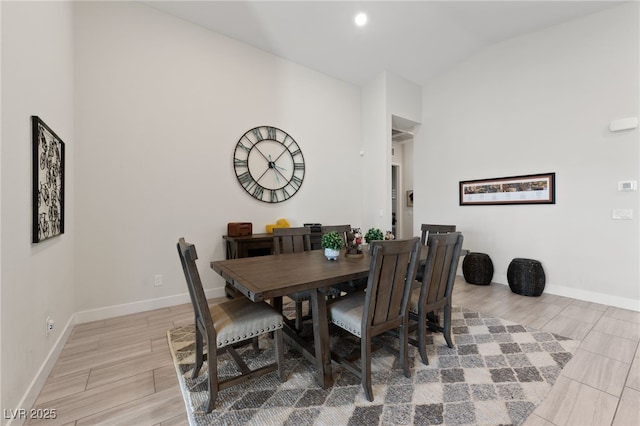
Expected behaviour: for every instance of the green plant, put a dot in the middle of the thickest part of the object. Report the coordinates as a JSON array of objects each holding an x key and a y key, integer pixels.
[
  {"x": 373, "y": 234},
  {"x": 332, "y": 240}
]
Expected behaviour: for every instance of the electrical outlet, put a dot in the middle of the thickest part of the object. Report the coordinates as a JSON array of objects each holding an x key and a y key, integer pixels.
[
  {"x": 50, "y": 324},
  {"x": 157, "y": 280}
]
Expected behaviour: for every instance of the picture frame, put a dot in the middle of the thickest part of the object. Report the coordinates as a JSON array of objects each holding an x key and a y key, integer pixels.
[
  {"x": 525, "y": 189},
  {"x": 410, "y": 198},
  {"x": 48, "y": 182}
]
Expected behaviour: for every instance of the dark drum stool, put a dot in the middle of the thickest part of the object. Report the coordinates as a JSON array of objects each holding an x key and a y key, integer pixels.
[
  {"x": 526, "y": 277},
  {"x": 477, "y": 268}
]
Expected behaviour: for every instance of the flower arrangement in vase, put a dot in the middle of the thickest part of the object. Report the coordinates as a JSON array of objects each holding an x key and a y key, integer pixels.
[
  {"x": 354, "y": 243},
  {"x": 331, "y": 242}
]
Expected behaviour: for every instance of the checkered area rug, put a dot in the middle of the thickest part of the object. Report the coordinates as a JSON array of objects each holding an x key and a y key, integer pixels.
[{"x": 496, "y": 374}]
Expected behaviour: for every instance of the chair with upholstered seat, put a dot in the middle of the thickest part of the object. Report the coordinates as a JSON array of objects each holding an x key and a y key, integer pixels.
[
  {"x": 435, "y": 291},
  {"x": 382, "y": 307},
  {"x": 226, "y": 325}
]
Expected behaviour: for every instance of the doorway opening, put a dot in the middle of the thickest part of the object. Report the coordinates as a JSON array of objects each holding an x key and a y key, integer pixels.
[
  {"x": 396, "y": 216},
  {"x": 402, "y": 177}
]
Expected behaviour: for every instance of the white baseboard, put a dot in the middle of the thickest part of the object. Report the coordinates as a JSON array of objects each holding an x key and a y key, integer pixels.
[
  {"x": 140, "y": 306},
  {"x": 590, "y": 296},
  {"x": 40, "y": 378}
]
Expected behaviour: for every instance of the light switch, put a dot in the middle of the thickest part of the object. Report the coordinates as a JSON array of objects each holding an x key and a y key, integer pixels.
[
  {"x": 628, "y": 185},
  {"x": 622, "y": 214}
]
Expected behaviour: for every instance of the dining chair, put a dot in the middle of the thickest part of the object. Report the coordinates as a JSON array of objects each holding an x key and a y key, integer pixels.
[
  {"x": 226, "y": 326},
  {"x": 435, "y": 291},
  {"x": 351, "y": 285},
  {"x": 382, "y": 307},
  {"x": 293, "y": 240},
  {"x": 426, "y": 230}
]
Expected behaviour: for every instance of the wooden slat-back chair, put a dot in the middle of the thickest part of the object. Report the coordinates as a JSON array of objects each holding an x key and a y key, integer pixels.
[
  {"x": 343, "y": 230},
  {"x": 225, "y": 326},
  {"x": 349, "y": 286},
  {"x": 293, "y": 240},
  {"x": 382, "y": 307},
  {"x": 435, "y": 292},
  {"x": 427, "y": 229}
]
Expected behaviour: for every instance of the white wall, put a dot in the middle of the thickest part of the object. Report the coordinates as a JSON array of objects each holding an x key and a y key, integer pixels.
[
  {"x": 407, "y": 178},
  {"x": 37, "y": 280},
  {"x": 160, "y": 106},
  {"x": 385, "y": 96},
  {"x": 405, "y": 101},
  {"x": 375, "y": 164},
  {"x": 534, "y": 104}
]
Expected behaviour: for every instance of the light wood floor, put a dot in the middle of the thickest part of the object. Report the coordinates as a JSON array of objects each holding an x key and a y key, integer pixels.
[{"x": 119, "y": 371}]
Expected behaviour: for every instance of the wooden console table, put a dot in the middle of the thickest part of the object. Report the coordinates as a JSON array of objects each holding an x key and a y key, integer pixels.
[{"x": 249, "y": 246}]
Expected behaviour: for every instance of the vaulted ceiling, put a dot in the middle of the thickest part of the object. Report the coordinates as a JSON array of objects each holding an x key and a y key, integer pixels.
[{"x": 413, "y": 39}]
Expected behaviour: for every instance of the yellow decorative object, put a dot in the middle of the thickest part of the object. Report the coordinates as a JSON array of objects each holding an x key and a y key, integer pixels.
[{"x": 280, "y": 223}]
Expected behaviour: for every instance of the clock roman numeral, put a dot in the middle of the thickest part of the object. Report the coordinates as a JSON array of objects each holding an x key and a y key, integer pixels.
[
  {"x": 295, "y": 182},
  {"x": 271, "y": 133},
  {"x": 258, "y": 134},
  {"x": 245, "y": 179},
  {"x": 285, "y": 194},
  {"x": 240, "y": 163},
  {"x": 258, "y": 191},
  {"x": 298, "y": 166},
  {"x": 274, "y": 196},
  {"x": 245, "y": 148}
]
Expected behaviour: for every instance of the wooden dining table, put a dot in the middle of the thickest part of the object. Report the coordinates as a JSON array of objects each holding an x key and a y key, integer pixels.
[{"x": 269, "y": 277}]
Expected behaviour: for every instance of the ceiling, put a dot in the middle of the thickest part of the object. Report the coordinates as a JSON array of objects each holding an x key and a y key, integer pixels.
[{"x": 413, "y": 39}]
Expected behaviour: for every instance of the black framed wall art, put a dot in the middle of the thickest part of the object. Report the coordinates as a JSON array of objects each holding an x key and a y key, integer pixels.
[
  {"x": 528, "y": 189},
  {"x": 48, "y": 182}
]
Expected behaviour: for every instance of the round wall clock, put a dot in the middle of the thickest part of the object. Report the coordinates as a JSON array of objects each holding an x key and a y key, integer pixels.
[{"x": 269, "y": 164}]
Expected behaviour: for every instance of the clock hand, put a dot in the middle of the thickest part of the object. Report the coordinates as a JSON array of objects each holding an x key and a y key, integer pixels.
[
  {"x": 273, "y": 166},
  {"x": 261, "y": 153}
]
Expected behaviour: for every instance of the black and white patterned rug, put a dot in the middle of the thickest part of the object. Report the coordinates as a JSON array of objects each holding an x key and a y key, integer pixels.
[{"x": 496, "y": 374}]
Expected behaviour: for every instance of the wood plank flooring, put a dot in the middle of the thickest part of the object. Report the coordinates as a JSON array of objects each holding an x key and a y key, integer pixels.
[{"x": 119, "y": 371}]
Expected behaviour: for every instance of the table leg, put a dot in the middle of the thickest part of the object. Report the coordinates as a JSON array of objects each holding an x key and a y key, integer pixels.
[{"x": 321, "y": 338}]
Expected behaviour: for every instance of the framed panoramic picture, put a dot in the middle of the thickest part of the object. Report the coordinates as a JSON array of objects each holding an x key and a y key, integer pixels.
[
  {"x": 48, "y": 182},
  {"x": 528, "y": 189}
]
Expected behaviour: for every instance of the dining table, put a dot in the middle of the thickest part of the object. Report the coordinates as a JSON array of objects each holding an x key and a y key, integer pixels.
[{"x": 262, "y": 278}]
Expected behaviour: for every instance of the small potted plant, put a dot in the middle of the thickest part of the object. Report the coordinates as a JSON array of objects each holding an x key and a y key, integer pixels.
[
  {"x": 373, "y": 234},
  {"x": 331, "y": 242}
]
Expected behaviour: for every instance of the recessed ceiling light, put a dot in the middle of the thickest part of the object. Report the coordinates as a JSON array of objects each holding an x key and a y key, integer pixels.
[{"x": 361, "y": 19}]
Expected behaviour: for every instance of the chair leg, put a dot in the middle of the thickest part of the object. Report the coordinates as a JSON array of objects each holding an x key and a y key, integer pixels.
[
  {"x": 299, "y": 315},
  {"x": 446, "y": 327},
  {"x": 199, "y": 357},
  {"x": 365, "y": 368},
  {"x": 255, "y": 345},
  {"x": 279, "y": 342},
  {"x": 404, "y": 349},
  {"x": 212, "y": 370},
  {"x": 422, "y": 338}
]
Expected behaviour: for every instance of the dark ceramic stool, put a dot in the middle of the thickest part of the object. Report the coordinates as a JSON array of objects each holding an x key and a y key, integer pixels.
[
  {"x": 477, "y": 268},
  {"x": 526, "y": 277}
]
